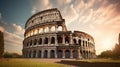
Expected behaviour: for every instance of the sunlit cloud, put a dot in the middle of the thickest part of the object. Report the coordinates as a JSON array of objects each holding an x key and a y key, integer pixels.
[
  {"x": 99, "y": 18},
  {"x": 13, "y": 36}
]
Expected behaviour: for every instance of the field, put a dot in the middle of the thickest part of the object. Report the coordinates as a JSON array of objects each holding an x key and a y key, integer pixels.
[
  {"x": 22, "y": 62},
  {"x": 29, "y": 63}
]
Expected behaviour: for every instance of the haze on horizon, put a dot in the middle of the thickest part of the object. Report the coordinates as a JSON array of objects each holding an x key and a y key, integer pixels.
[{"x": 99, "y": 18}]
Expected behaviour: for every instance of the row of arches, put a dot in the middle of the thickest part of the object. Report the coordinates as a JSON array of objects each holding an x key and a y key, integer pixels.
[
  {"x": 59, "y": 40},
  {"x": 59, "y": 54},
  {"x": 41, "y": 41},
  {"x": 51, "y": 54},
  {"x": 44, "y": 30}
]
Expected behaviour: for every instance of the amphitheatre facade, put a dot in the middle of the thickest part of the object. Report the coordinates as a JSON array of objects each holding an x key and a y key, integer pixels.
[{"x": 46, "y": 36}]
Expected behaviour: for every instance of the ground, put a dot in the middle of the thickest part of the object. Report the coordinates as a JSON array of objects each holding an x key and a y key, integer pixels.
[{"x": 22, "y": 62}]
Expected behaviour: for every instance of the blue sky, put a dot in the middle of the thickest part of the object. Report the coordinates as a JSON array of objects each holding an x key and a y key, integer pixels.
[{"x": 99, "y": 18}]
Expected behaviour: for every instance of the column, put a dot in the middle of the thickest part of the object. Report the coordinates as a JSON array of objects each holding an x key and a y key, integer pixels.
[
  {"x": 71, "y": 54},
  {"x": 36, "y": 54},
  {"x": 49, "y": 40},
  {"x": 78, "y": 53},
  {"x": 55, "y": 53},
  {"x": 31, "y": 54},
  {"x": 63, "y": 53},
  {"x": 56, "y": 28},
  {"x": 56, "y": 40},
  {"x": 63, "y": 39},
  {"x": 42, "y": 53},
  {"x": 48, "y": 55},
  {"x": 71, "y": 39}
]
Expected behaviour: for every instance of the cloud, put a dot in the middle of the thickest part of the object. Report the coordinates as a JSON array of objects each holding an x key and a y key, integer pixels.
[
  {"x": 13, "y": 36},
  {"x": 18, "y": 29},
  {"x": 99, "y": 18}
]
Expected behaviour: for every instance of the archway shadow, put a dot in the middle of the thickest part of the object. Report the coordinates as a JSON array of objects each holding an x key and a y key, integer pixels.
[{"x": 89, "y": 64}]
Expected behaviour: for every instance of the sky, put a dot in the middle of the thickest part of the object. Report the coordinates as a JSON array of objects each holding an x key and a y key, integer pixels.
[{"x": 99, "y": 18}]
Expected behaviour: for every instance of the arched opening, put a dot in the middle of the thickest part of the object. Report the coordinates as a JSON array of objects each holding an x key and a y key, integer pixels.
[
  {"x": 46, "y": 41},
  {"x": 67, "y": 54},
  {"x": 86, "y": 43},
  {"x": 52, "y": 40},
  {"x": 59, "y": 53},
  {"x": 67, "y": 40},
  {"x": 59, "y": 28},
  {"x": 83, "y": 43},
  {"x": 75, "y": 42},
  {"x": 59, "y": 39},
  {"x": 46, "y": 29},
  {"x": 34, "y": 54},
  {"x": 53, "y": 28},
  {"x": 27, "y": 44},
  {"x": 39, "y": 55},
  {"x": 75, "y": 54},
  {"x": 84, "y": 54},
  {"x": 35, "y": 41},
  {"x": 41, "y": 30},
  {"x": 45, "y": 54},
  {"x": 30, "y": 54},
  {"x": 79, "y": 41},
  {"x": 30, "y": 42},
  {"x": 40, "y": 40},
  {"x": 52, "y": 54}
]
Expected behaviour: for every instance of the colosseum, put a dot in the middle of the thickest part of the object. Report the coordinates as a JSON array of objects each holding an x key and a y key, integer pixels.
[{"x": 46, "y": 36}]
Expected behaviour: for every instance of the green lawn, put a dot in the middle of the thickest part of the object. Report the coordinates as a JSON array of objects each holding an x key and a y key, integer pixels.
[{"x": 27, "y": 63}]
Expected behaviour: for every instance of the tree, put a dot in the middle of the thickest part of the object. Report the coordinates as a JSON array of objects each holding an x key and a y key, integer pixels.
[
  {"x": 12, "y": 55},
  {"x": 105, "y": 54}
]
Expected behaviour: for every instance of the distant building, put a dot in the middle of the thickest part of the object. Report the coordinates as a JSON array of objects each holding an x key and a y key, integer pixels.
[
  {"x": 1, "y": 43},
  {"x": 116, "y": 50},
  {"x": 46, "y": 36},
  {"x": 119, "y": 39}
]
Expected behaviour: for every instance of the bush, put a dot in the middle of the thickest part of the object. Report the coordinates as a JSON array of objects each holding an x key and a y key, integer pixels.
[{"x": 11, "y": 55}]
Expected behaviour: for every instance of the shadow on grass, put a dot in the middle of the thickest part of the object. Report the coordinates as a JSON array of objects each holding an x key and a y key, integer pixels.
[{"x": 90, "y": 64}]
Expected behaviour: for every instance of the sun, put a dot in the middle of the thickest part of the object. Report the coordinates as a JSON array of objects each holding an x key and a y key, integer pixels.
[{"x": 107, "y": 44}]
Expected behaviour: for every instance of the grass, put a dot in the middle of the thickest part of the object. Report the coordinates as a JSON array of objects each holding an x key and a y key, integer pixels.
[
  {"x": 27, "y": 63},
  {"x": 101, "y": 60}
]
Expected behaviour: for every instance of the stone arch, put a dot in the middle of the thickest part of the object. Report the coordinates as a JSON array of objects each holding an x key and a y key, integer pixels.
[
  {"x": 45, "y": 54},
  {"x": 84, "y": 53},
  {"x": 29, "y": 54},
  {"x": 46, "y": 29},
  {"x": 34, "y": 54},
  {"x": 46, "y": 40},
  {"x": 27, "y": 44},
  {"x": 40, "y": 40},
  {"x": 67, "y": 54},
  {"x": 41, "y": 30},
  {"x": 53, "y": 28},
  {"x": 59, "y": 53},
  {"x": 75, "y": 41},
  {"x": 35, "y": 31},
  {"x": 59, "y": 28},
  {"x": 79, "y": 42},
  {"x": 31, "y": 43},
  {"x": 52, "y": 54},
  {"x": 59, "y": 38},
  {"x": 40, "y": 53},
  {"x": 35, "y": 41},
  {"x": 75, "y": 54},
  {"x": 52, "y": 40},
  {"x": 67, "y": 40}
]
